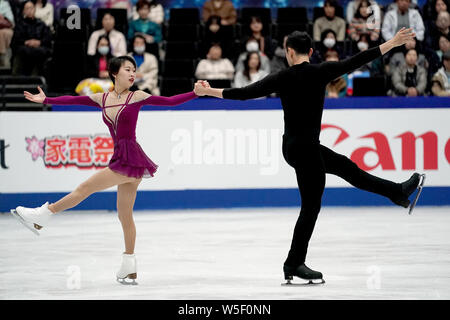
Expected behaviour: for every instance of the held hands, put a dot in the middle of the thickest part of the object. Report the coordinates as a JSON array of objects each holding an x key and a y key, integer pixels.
[
  {"x": 38, "y": 98},
  {"x": 402, "y": 36},
  {"x": 201, "y": 87}
]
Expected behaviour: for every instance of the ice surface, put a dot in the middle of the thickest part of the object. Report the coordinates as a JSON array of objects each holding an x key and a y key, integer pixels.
[{"x": 364, "y": 253}]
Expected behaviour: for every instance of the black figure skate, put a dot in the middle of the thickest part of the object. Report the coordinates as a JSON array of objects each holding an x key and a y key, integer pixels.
[
  {"x": 303, "y": 272},
  {"x": 408, "y": 187}
]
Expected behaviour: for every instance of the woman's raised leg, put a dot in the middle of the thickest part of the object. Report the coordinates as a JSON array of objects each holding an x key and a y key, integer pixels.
[{"x": 101, "y": 180}]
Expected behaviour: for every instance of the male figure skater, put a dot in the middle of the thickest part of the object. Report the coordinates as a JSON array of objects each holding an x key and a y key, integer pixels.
[{"x": 302, "y": 91}]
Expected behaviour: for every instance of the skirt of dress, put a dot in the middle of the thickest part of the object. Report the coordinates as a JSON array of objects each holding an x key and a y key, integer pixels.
[{"x": 130, "y": 160}]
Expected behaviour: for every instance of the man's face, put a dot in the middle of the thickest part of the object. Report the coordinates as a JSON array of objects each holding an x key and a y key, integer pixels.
[
  {"x": 403, "y": 5},
  {"x": 29, "y": 10}
]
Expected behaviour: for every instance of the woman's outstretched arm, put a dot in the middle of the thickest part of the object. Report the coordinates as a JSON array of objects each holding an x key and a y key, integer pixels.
[
  {"x": 64, "y": 100},
  {"x": 147, "y": 99}
]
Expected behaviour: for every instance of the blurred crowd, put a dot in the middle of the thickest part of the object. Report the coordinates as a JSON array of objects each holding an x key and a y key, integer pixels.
[{"x": 243, "y": 51}]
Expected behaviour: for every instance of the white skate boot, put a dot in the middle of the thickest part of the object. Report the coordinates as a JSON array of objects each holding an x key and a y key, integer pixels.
[
  {"x": 127, "y": 270},
  {"x": 33, "y": 218}
]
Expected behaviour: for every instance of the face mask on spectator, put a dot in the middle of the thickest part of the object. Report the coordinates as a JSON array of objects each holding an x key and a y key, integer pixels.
[
  {"x": 252, "y": 46},
  {"x": 103, "y": 50},
  {"x": 363, "y": 45},
  {"x": 139, "y": 49},
  {"x": 329, "y": 42}
]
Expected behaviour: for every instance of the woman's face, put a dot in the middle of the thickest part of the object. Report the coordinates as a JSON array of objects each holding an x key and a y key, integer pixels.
[
  {"x": 444, "y": 44},
  {"x": 256, "y": 26},
  {"x": 139, "y": 42},
  {"x": 440, "y": 6},
  {"x": 363, "y": 10},
  {"x": 108, "y": 22},
  {"x": 253, "y": 62},
  {"x": 330, "y": 35},
  {"x": 126, "y": 74},
  {"x": 103, "y": 43},
  {"x": 411, "y": 57},
  {"x": 330, "y": 11}
]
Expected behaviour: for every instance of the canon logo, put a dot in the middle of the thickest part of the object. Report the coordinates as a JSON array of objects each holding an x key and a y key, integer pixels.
[{"x": 384, "y": 153}]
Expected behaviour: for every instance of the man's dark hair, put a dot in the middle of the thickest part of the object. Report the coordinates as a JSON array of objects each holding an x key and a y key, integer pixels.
[
  {"x": 300, "y": 41},
  {"x": 115, "y": 64},
  {"x": 331, "y": 3}
]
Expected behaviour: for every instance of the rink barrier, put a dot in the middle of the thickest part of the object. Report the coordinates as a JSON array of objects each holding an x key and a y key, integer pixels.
[
  {"x": 231, "y": 198},
  {"x": 275, "y": 104}
]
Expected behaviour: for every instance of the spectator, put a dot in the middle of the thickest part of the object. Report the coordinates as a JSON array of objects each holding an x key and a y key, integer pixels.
[
  {"x": 222, "y": 8},
  {"x": 352, "y": 8},
  {"x": 402, "y": 16},
  {"x": 361, "y": 24},
  {"x": 252, "y": 46},
  {"x": 329, "y": 21},
  {"x": 216, "y": 33},
  {"x": 441, "y": 80},
  {"x": 327, "y": 42},
  {"x": 156, "y": 13},
  {"x": 45, "y": 11},
  {"x": 116, "y": 38},
  {"x": 435, "y": 29},
  {"x": 31, "y": 43},
  {"x": 97, "y": 70},
  {"x": 375, "y": 67},
  {"x": 256, "y": 32},
  {"x": 150, "y": 30},
  {"x": 336, "y": 88},
  {"x": 6, "y": 33},
  {"x": 279, "y": 61},
  {"x": 409, "y": 79},
  {"x": 432, "y": 8},
  {"x": 398, "y": 58},
  {"x": 214, "y": 67},
  {"x": 147, "y": 67},
  {"x": 444, "y": 46},
  {"x": 252, "y": 71}
]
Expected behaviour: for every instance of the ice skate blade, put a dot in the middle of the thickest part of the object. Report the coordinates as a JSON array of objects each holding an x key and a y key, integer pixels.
[
  {"x": 125, "y": 281},
  {"x": 309, "y": 283},
  {"x": 419, "y": 188},
  {"x": 16, "y": 215}
]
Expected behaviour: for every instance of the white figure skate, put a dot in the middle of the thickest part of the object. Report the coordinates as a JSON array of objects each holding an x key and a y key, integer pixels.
[
  {"x": 33, "y": 218},
  {"x": 127, "y": 270}
]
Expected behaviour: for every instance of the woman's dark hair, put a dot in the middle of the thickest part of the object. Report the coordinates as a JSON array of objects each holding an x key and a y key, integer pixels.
[
  {"x": 300, "y": 41},
  {"x": 103, "y": 36},
  {"x": 142, "y": 3},
  {"x": 357, "y": 12},
  {"x": 137, "y": 35},
  {"x": 117, "y": 62},
  {"x": 331, "y": 3},
  {"x": 22, "y": 6},
  {"x": 257, "y": 19},
  {"x": 246, "y": 67},
  {"x": 44, "y": 2},
  {"x": 324, "y": 34},
  {"x": 433, "y": 13}
]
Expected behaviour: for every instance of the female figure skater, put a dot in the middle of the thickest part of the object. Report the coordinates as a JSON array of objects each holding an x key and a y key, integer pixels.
[
  {"x": 302, "y": 91},
  {"x": 128, "y": 164}
]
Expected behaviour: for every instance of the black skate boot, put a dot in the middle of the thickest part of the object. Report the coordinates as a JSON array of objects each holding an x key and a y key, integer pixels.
[
  {"x": 303, "y": 272},
  {"x": 407, "y": 188}
]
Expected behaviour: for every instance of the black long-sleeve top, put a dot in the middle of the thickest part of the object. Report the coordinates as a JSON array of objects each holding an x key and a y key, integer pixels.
[
  {"x": 301, "y": 89},
  {"x": 27, "y": 29}
]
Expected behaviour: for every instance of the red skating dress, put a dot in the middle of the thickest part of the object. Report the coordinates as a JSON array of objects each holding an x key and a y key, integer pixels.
[{"x": 128, "y": 158}]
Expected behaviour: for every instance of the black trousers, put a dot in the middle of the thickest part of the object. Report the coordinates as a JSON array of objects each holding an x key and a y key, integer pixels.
[{"x": 311, "y": 163}]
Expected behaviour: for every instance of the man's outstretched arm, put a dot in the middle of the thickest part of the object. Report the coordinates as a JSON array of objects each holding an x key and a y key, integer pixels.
[
  {"x": 258, "y": 89},
  {"x": 332, "y": 70}
]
